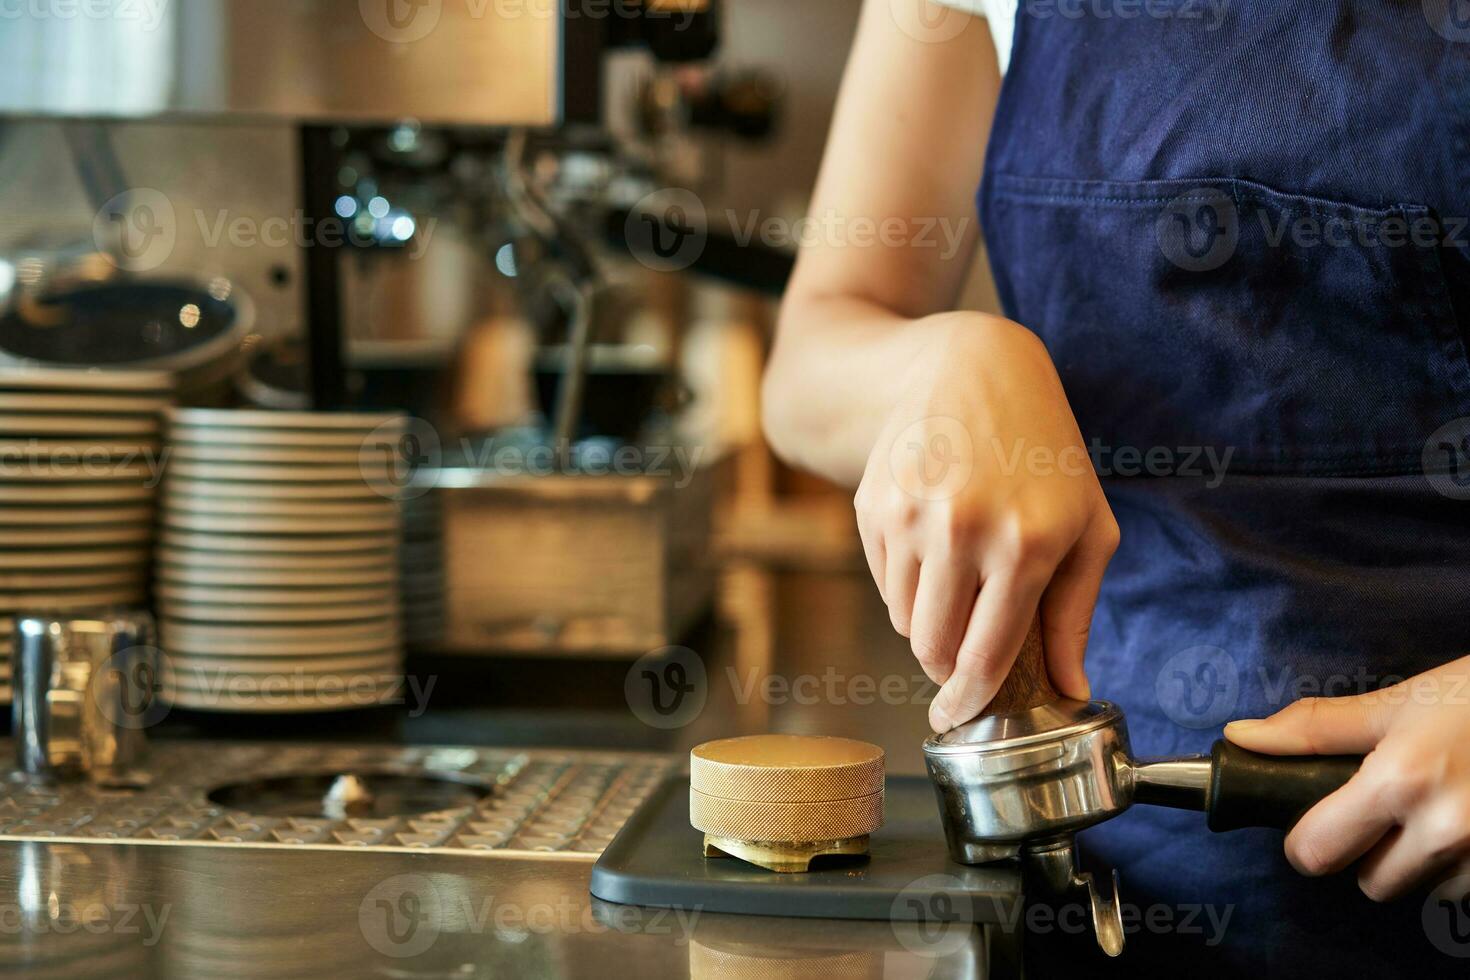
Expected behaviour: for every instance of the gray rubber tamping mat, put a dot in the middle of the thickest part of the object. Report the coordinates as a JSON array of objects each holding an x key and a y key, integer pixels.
[{"x": 658, "y": 860}]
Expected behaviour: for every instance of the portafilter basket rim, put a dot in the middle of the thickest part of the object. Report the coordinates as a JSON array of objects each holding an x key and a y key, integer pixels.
[{"x": 1059, "y": 720}]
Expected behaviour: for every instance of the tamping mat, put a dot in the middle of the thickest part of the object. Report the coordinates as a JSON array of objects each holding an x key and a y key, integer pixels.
[{"x": 658, "y": 860}]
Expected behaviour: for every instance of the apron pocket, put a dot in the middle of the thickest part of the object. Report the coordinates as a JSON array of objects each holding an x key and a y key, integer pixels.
[{"x": 1298, "y": 334}]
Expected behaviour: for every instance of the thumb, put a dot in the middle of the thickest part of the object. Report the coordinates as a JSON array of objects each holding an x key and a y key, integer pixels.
[{"x": 1316, "y": 726}]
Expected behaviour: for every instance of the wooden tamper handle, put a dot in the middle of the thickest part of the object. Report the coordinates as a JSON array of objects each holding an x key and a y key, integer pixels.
[{"x": 1028, "y": 684}]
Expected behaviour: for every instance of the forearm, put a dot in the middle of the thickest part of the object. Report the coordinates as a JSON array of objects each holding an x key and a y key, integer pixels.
[
  {"x": 875, "y": 383},
  {"x": 906, "y": 151}
]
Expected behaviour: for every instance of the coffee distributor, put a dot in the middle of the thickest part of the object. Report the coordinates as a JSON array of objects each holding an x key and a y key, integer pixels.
[{"x": 779, "y": 801}]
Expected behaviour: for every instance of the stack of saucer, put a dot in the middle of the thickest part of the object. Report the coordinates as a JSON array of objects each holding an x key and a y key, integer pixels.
[
  {"x": 422, "y": 564},
  {"x": 80, "y": 458},
  {"x": 7, "y": 649},
  {"x": 277, "y": 566}
]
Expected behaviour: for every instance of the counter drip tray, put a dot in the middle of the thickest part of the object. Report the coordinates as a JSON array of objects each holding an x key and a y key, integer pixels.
[{"x": 546, "y": 803}]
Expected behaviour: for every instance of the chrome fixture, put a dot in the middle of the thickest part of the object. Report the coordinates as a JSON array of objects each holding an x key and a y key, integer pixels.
[{"x": 84, "y": 687}]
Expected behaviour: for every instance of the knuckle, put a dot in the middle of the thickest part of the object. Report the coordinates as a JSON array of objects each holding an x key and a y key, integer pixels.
[
  {"x": 986, "y": 664},
  {"x": 1309, "y": 710},
  {"x": 1307, "y": 853},
  {"x": 1459, "y": 820},
  {"x": 928, "y": 649},
  {"x": 906, "y": 513},
  {"x": 1379, "y": 766},
  {"x": 1303, "y": 715},
  {"x": 1408, "y": 787},
  {"x": 1375, "y": 889},
  {"x": 1313, "y": 715},
  {"x": 1448, "y": 828},
  {"x": 946, "y": 702},
  {"x": 900, "y": 620},
  {"x": 1078, "y": 631},
  {"x": 1401, "y": 781},
  {"x": 965, "y": 527},
  {"x": 1033, "y": 544},
  {"x": 959, "y": 705}
]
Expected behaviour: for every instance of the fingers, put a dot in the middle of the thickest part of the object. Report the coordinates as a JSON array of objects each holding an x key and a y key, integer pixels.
[
  {"x": 1405, "y": 814},
  {"x": 1316, "y": 726},
  {"x": 875, "y": 553},
  {"x": 942, "y": 607},
  {"x": 1433, "y": 839},
  {"x": 1340, "y": 828},
  {"x": 1397, "y": 864},
  {"x": 993, "y": 638},
  {"x": 1068, "y": 604},
  {"x": 901, "y": 581},
  {"x": 1347, "y": 824}
]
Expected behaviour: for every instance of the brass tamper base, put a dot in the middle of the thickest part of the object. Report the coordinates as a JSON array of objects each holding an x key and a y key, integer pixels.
[{"x": 787, "y": 858}]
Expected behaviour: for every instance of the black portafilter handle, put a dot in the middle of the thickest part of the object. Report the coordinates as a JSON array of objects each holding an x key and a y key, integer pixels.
[{"x": 1248, "y": 789}]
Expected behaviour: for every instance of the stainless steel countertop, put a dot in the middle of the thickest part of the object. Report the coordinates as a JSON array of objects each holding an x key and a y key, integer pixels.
[
  {"x": 108, "y": 911},
  {"x": 117, "y": 910}
]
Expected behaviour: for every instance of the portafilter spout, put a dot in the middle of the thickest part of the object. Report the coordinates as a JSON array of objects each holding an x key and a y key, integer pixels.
[{"x": 1035, "y": 768}]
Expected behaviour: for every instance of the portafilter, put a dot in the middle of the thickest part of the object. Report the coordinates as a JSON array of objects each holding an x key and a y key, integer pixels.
[{"x": 1035, "y": 768}]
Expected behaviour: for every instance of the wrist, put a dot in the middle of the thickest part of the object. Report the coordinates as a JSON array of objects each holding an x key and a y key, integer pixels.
[{"x": 962, "y": 348}]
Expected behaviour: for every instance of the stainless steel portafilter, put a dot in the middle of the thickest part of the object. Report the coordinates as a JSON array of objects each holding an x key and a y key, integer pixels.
[{"x": 1023, "y": 778}]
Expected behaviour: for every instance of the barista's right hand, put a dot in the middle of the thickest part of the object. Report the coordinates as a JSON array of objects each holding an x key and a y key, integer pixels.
[{"x": 979, "y": 503}]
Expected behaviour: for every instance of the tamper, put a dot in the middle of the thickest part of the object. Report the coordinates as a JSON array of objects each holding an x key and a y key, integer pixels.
[{"x": 1035, "y": 768}]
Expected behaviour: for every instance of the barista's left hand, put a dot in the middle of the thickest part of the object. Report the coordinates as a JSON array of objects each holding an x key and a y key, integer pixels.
[{"x": 1408, "y": 808}]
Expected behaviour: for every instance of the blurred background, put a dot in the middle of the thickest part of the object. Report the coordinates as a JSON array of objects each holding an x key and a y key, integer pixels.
[
  {"x": 553, "y": 234},
  {"x": 382, "y": 481}
]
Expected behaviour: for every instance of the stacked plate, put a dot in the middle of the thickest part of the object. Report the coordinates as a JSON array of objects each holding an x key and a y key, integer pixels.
[
  {"x": 80, "y": 460},
  {"x": 277, "y": 561},
  {"x": 421, "y": 562}
]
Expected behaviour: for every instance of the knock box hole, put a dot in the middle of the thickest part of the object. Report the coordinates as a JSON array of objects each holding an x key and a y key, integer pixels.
[{"x": 338, "y": 796}]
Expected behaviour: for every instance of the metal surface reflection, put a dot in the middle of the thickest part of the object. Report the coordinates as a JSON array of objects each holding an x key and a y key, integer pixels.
[{"x": 71, "y": 911}]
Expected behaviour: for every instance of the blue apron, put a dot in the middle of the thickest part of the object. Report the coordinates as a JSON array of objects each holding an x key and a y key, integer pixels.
[{"x": 1239, "y": 230}]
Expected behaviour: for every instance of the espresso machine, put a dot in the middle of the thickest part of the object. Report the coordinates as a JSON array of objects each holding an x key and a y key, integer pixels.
[{"x": 355, "y": 195}]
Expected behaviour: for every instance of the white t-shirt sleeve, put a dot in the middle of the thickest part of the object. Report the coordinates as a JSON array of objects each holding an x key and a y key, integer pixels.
[{"x": 1001, "y": 15}]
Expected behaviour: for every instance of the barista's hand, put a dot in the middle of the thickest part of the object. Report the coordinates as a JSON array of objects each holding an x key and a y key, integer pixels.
[
  {"x": 1408, "y": 808},
  {"x": 978, "y": 502}
]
